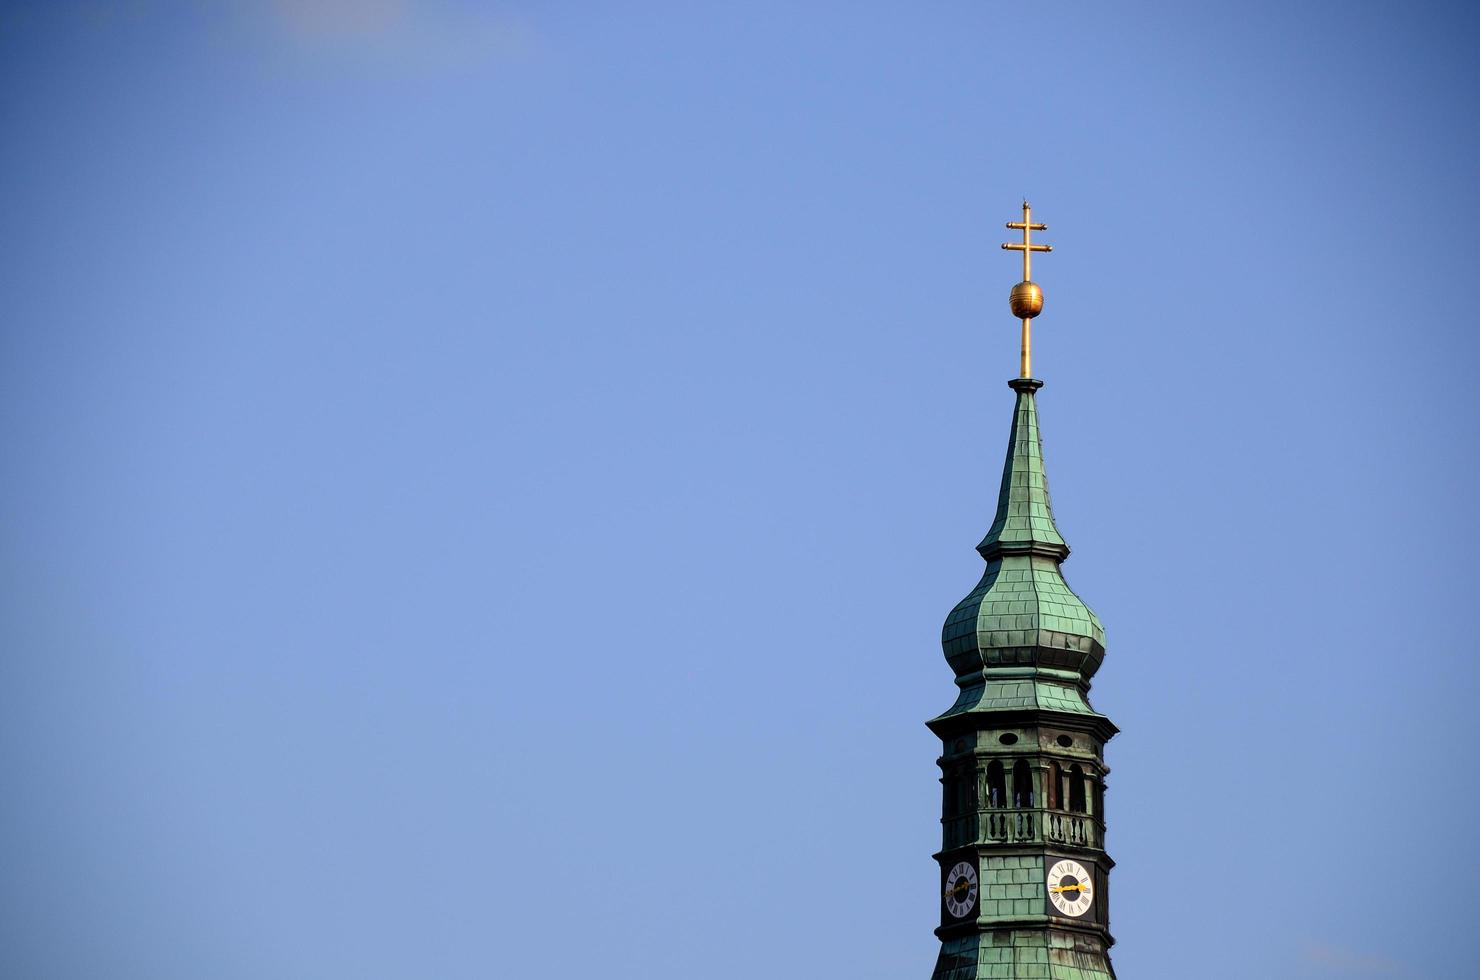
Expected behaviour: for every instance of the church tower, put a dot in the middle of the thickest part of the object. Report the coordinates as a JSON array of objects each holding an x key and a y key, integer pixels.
[{"x": 1023, "y": 869}]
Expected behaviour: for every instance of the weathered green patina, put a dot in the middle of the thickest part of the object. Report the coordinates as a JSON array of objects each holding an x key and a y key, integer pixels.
[{"x": 1022, "y": 749}]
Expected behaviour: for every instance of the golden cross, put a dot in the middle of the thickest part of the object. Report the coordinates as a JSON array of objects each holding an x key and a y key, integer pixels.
[
  {"x": 1027, "y": 247},
  {"x": 1027, "y": 299}
]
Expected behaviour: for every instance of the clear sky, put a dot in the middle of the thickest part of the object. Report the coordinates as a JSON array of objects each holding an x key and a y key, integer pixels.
[{"x": 485, "y": 480}]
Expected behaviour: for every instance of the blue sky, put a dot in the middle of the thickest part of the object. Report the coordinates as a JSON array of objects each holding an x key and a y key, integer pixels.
[{"x": 486, "y": 479}]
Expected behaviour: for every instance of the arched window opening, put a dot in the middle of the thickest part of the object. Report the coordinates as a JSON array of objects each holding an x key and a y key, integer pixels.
[
  {"x": 1076, "y": 789},
  {"x": 1099, "y": 798},
  {"x": 960, "y": 797},
  {"x": 1022, "y": 784},
  {"x": 996, "y": 785},
  {"x": 1056, "y": 788}
]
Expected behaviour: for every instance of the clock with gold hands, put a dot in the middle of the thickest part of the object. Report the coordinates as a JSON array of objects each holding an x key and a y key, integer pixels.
[
  {"x": 961, "y": 888},
  {"x": 1071, "y": 888}
]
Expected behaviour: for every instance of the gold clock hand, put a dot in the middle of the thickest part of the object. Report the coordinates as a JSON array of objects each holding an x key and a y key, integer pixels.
[{"x": 1070, "y": 888}]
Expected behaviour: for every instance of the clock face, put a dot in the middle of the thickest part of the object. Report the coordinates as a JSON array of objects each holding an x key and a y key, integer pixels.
[
  {"x": 1070, "y": 888},
  {"x": 961, "y": 889}
]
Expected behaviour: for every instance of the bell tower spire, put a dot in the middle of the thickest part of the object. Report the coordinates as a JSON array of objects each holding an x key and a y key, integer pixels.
[{"x": 1024, "y": 872}]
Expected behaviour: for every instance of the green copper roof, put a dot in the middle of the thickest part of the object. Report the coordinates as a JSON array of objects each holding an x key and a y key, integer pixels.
[
  {"x": 1022, "y": 639},
  {"x": 1024, "y": 522},
  {"x": 1002, "y": 955},
  {"x": 1042, "y": 690}
]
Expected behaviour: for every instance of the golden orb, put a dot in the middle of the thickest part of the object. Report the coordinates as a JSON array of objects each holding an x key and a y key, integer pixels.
[{"x": 1026, "y": 300}]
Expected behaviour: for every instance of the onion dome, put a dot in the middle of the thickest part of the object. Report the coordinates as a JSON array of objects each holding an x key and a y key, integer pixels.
[{"x": 1022, "y": 640}]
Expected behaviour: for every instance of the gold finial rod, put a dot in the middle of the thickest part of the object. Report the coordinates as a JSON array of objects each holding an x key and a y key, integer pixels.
[{"x": 1027, "y": 299}]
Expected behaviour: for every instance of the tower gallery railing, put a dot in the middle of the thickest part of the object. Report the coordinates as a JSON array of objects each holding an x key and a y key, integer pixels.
[{"x": 1010, "y": 825}]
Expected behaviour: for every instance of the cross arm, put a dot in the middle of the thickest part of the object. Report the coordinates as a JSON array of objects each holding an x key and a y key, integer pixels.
[
  {"x": 1034, "y": 226},
  {"x": 1020, "y": 247}
]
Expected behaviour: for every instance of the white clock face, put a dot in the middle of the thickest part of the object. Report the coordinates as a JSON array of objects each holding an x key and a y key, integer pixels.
[
  {"x": 1070, "y": 888},
  {"x": 961, "y": 889}
]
